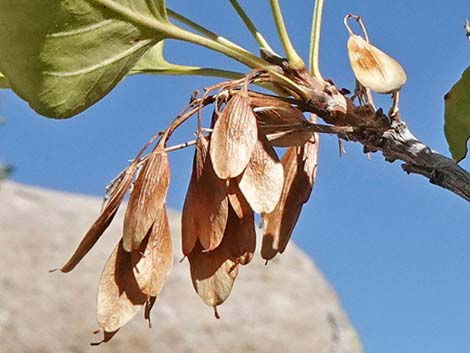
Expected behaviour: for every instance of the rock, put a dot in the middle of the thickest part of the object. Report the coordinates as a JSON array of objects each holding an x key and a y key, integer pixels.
[{"x": 285, "y": 307}]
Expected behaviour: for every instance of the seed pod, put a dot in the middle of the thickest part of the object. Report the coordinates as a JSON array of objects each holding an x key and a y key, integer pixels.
[
  {"x": 262, "y": 181},
  {"x": 117, "y": 192},
  {"x": 237, "y": 201},
  {"x": 213, "y": 272},
  {"x": 274, "y": 111},
  {"x": 373, "y": 68},
  {"x": 204, "y": 212},
  {"x": 152, "y": 261},
  {"x": 241, "y": 236},
  {"x": 147, "y": 198},
  {"x": 300, "y": 166},
  {"x": 294, "y": 137},
  {"x": 282, "y": 123},
  {"x": 104, "y": 219},
  {"x": 119, "y": 297},
  {"x": 233, "y": 138}
]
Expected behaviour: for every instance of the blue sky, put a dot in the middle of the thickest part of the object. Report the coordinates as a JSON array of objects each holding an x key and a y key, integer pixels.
[{"x": 395, "y": 247}]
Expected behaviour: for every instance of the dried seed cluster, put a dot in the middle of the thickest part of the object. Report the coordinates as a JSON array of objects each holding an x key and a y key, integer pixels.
[{"x": 236, "y": 173}]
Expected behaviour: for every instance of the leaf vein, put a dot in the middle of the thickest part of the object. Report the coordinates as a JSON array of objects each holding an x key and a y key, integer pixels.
[
  {"x": 102, "y": 64},
  {"x": 80, "y": 30}
]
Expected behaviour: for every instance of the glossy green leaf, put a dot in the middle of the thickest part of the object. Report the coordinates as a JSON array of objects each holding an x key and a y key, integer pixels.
[
  {"x": 457, "y": 116},
  {"x": 65, "y": 55}
]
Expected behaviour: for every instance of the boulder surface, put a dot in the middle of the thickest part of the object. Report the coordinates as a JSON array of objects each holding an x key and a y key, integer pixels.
[{"x": 284, "y": 307}]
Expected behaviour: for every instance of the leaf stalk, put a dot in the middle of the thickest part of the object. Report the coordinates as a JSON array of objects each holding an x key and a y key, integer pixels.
[
  {"x": 314, "y": 52},
  {"x": 294, "y": 59},
  {"x": 251, "y": 26}
]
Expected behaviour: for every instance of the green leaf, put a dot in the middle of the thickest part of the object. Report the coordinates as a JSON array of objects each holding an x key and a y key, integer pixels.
[
  {"x": 457, "y": 117},
  {"x": 65, "y": 55},
  {"x": 153, "y": 62}
]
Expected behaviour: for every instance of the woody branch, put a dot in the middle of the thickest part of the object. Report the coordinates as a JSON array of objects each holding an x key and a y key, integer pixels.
[{"x": 376, "y": 132}]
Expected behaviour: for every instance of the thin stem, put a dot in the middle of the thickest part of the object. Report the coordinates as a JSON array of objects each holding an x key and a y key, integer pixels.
[
  {"x": 345, "y": 21},
  {"x": 359, "y": 21},
  {"x": 294, "y": 59},
  {"x": 181, "y": 70},
  {"x": 194, "y": 106},
  {"x": 314, "y": 66},
  {"x": 203, "y": 30},
  {"x": 308, "y": 126},
  {"x": 180, "y": 146},
  {"x": 251, "y": 26},
  {"x": 393, "y": 112},
  {"x": 246, "y": 58},
  {"x": 363, "y": 28},
  {"x": 113, "y": 184}
]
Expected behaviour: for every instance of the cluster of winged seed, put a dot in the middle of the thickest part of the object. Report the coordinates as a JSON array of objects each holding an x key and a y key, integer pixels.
[{"x": 236, "y": 173}]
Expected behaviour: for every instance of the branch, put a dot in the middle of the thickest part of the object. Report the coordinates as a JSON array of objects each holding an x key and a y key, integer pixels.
[
  {"x": 376, "y": 132},
  {"x": 398, "y": 143}
]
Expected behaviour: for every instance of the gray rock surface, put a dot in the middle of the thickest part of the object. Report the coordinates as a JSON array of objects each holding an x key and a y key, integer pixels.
[{"x": 285, "y": 307}]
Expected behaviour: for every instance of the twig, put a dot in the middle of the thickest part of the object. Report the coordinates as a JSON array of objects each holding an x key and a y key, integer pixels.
[
  {"x": 180, "y": 146},
  {"x": 313, "y": 127},
  {"x": 377, "y": 133},
  {"x": 399, "y": 144}
]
